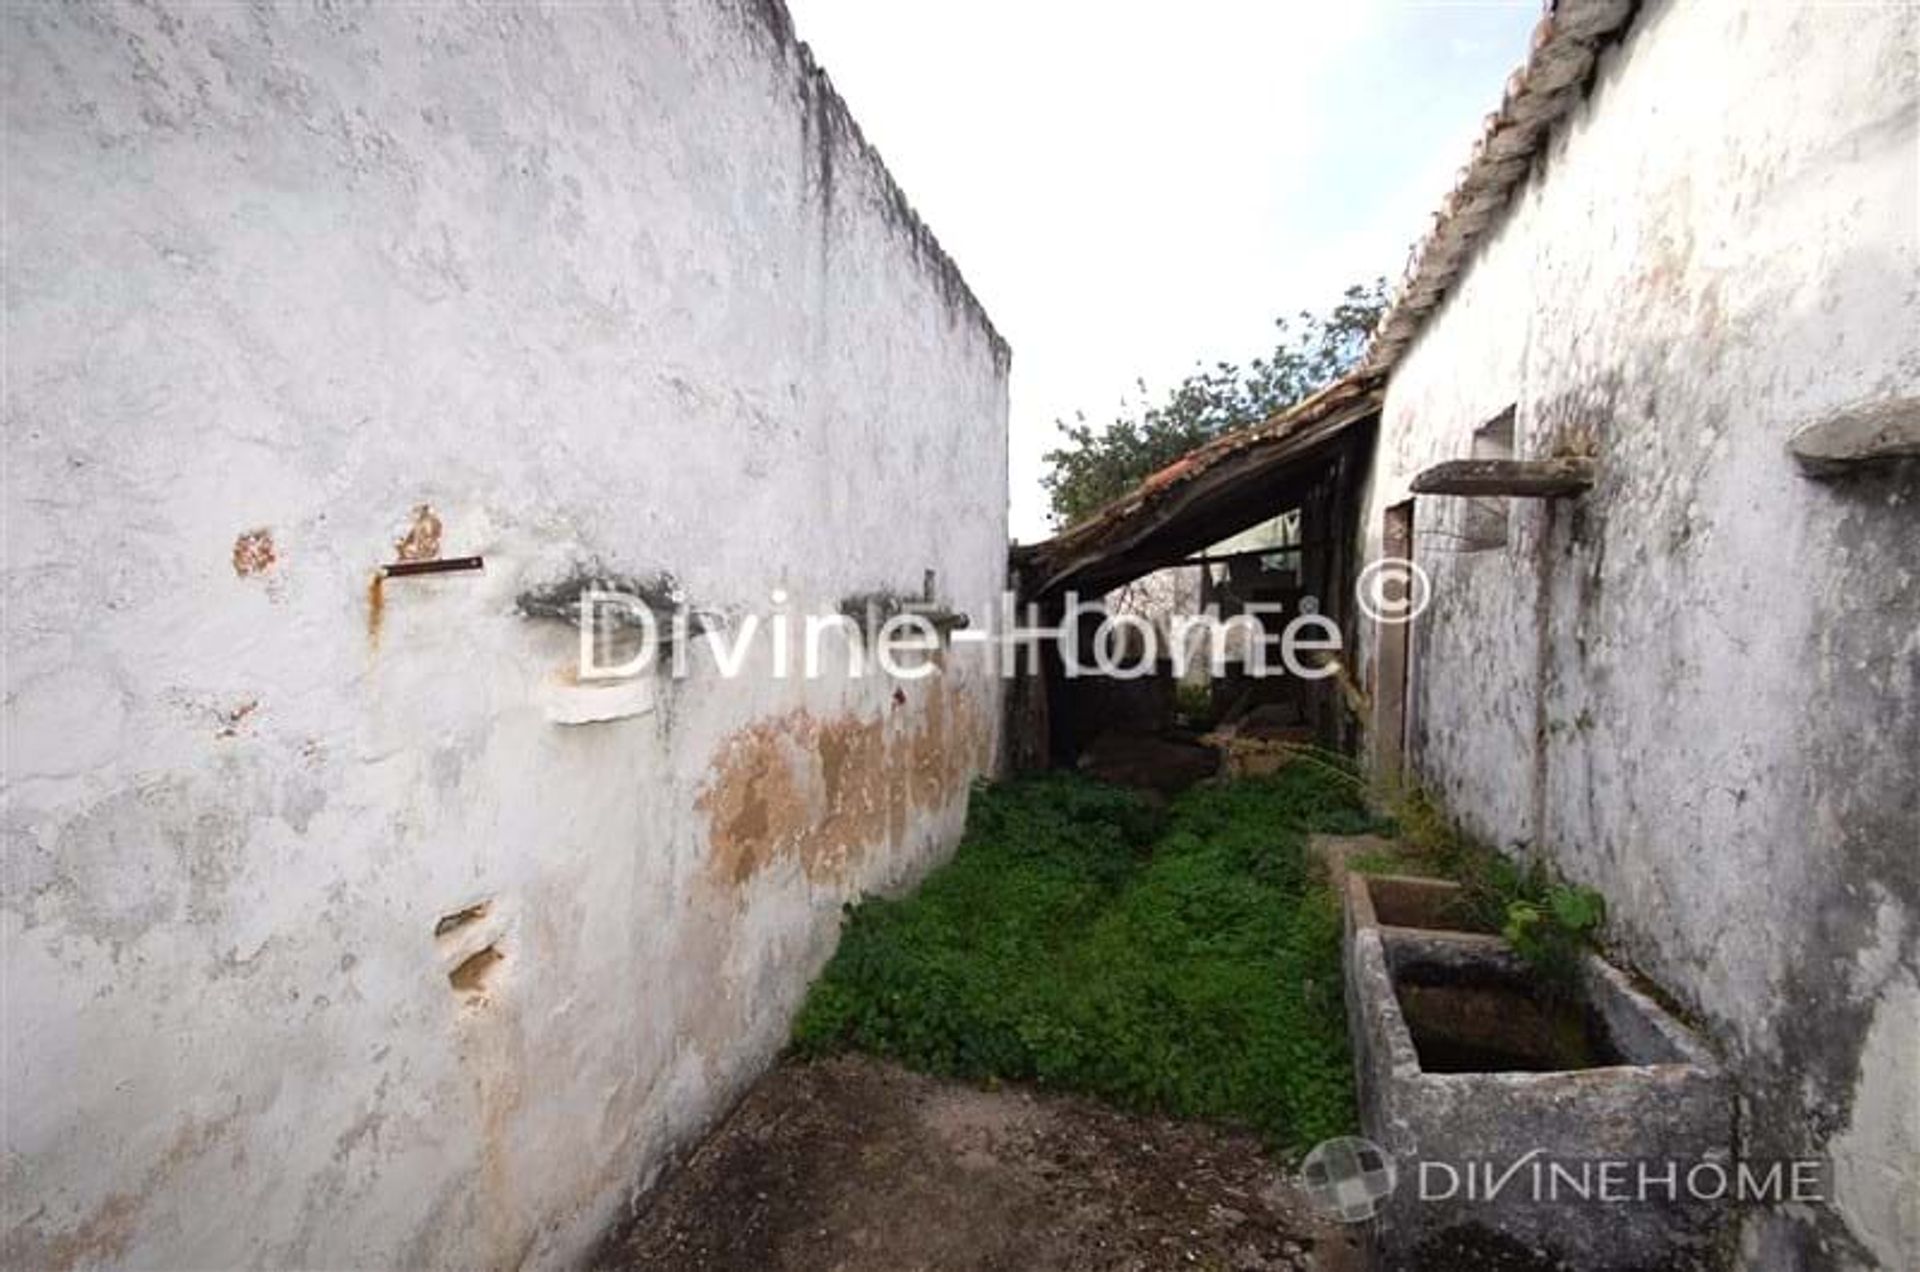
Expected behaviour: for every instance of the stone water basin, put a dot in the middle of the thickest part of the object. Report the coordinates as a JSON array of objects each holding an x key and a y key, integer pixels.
[{"x": 1469, "y": 1075}]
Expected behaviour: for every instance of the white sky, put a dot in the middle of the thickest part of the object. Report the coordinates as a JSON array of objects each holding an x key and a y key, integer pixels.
[{"x": 1134, "y": 188}]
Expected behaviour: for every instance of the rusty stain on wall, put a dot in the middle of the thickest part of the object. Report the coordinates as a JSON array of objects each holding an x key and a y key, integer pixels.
[
  {"x": 756, "y": 805},
  {"x": 825, "y": 792},
  {"x": 376, "y": 607},
  {"x": 421, "y": 542},
  {"x": 253, "y": 552},
  {"x": 494, "y": 1053},
  {"x": 105, "y": 1235},
  {"x": 852, "y": 756}
]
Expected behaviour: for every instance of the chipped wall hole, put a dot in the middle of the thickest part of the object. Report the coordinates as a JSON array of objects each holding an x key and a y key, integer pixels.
[
  {"x": 461, "y": 918},
  {"x": 421, "y": 540},
  {"x": 234, "y": 717},
  {"x": 253, "y": 552},
  {"x": 470, "y": 977}
]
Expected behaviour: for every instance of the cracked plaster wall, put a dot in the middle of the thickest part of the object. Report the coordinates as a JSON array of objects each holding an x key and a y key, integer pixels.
[
  {"x": 324, "y": 945},
  {"x": 1695, "y": 687}
]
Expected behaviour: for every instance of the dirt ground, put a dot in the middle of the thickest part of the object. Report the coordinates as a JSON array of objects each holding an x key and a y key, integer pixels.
[{"x": 852, "y": 1165}]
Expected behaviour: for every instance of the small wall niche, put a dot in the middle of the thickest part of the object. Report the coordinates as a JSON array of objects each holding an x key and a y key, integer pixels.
[{"x": 1484, "y": 520}]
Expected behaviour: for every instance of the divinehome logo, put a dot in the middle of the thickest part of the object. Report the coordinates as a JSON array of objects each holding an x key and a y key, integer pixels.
[
  {"x": 1348, "y": 1178},
  {"x": 623, "y": 635},
  {"x": 1351, "y": 1178}
]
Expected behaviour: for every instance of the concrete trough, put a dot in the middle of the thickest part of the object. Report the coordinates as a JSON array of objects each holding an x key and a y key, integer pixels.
[
  {"x": 1409, "y": 901},
  {"x": 1527, "y": 1132}
]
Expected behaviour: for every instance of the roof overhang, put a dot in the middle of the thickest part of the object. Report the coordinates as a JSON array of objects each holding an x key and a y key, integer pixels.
[
  {"x": 1214, "y": 491},
  {"x": 1566, "y": 47},
  {"x": 1233, "y": 481}
]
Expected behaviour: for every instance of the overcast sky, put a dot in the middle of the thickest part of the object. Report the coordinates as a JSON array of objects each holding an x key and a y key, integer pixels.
[{"x": 1134, "y": 188}]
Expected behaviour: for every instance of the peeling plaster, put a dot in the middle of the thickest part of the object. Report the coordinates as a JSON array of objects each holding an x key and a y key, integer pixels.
[
  {"x": 825, "y": 793},
  {"x": 1695, "y": 687},
  {"x": 292, "y": 292}
]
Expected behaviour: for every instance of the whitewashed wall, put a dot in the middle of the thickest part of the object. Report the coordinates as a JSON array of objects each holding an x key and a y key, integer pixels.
[
  {"x": 1695, "y": 688},
  {"x": 590, "y": 282}
]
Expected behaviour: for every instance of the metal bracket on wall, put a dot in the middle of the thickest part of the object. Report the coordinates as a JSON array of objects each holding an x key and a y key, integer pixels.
[{"x": 445, "y": 565}]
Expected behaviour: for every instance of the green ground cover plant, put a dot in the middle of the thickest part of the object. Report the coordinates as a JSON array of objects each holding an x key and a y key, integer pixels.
[{"x": 1183, "y": 960}]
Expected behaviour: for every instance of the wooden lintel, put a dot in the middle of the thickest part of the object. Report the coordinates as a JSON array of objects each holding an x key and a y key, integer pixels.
[{"x": 1513, "y": 478}]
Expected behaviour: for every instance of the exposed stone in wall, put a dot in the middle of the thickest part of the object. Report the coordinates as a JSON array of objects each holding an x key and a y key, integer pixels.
[{"x": 421, "y": 542}]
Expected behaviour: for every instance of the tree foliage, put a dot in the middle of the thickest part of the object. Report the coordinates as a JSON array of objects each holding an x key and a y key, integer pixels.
[{"x": 1095, "y": 467}]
